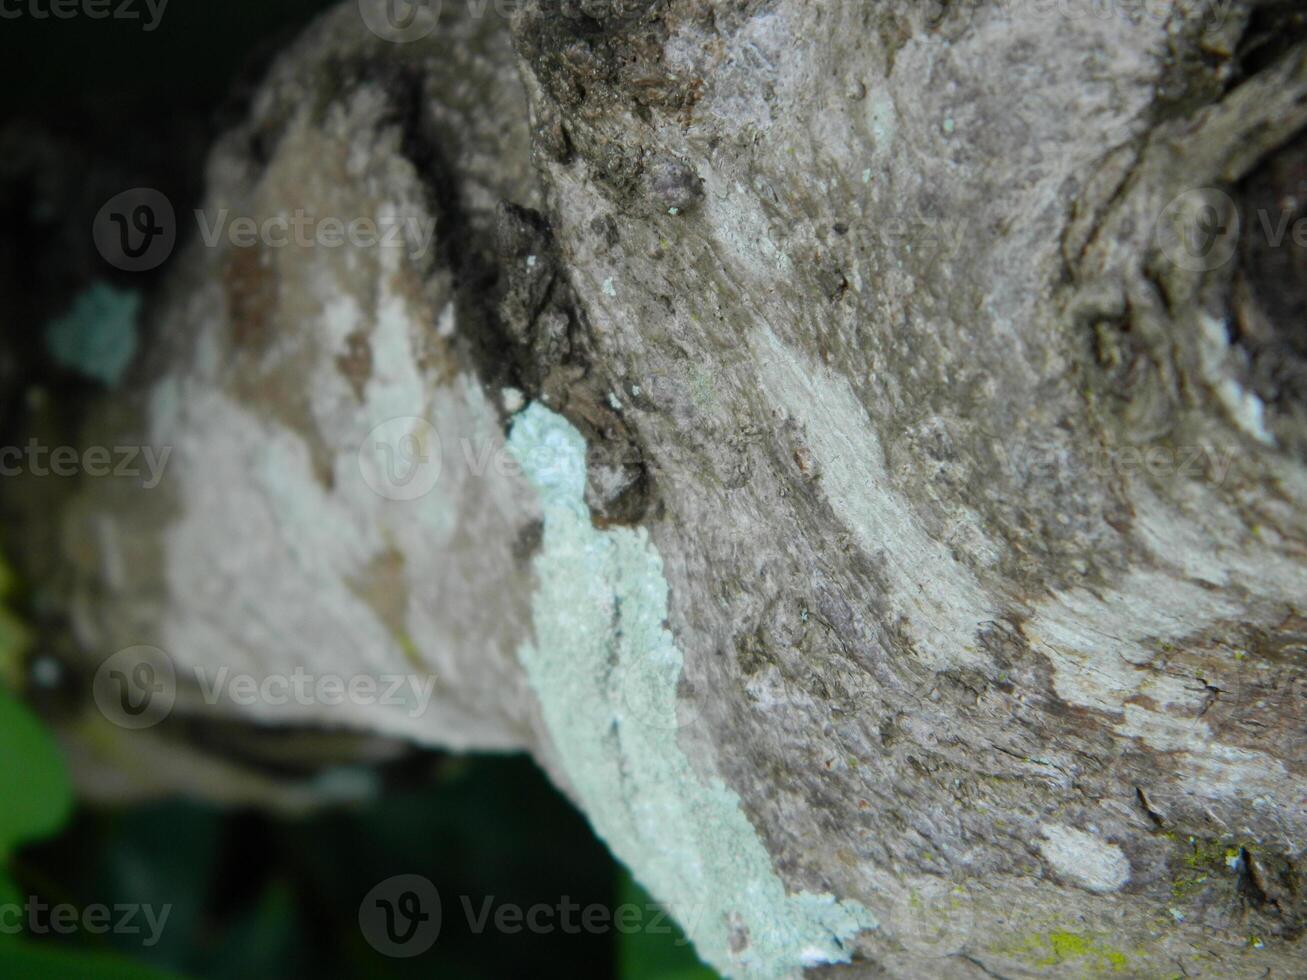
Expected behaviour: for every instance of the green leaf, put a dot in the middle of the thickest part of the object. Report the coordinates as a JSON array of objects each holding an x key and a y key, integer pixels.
[
  {"x": 33, "y": 961},
  {"x": 33, "y": 780},
  {"x": 646, "y": 955}
]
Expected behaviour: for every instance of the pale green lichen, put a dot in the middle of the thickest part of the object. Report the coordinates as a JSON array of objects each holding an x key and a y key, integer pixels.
[
  {"x": 97, "y": 336},
  {"x": 599, "y": 615}
]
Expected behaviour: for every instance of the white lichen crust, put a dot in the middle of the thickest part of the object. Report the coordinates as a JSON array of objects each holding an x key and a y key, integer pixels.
[{"x": 600, "y": 630}]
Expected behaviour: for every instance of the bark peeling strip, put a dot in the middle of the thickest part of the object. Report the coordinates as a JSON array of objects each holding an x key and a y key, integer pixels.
[
  {"x": 936, "y": 595},
  {"x": 599, "y": 613}
]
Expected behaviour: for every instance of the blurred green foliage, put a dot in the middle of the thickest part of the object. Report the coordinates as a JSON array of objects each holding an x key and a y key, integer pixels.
[
  {"x": 649, "y": 955},
  {"x": 32, "y": 962},
  {"x": 252, "y": 895},
  {"x": 38, "y": 801},
  {"x": 33, "y": 782}
]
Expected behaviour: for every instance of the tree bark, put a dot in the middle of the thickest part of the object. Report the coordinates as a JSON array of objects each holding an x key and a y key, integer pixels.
[{"x": 857, "y": 448}]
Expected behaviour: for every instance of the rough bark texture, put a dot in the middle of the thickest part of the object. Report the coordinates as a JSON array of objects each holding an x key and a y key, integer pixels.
[{"x": 968, "y": 490}]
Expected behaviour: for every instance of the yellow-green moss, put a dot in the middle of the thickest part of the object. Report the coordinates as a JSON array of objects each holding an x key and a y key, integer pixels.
[
  {"x": 1090, "y": 953},
  {"x": 1203, "y": 863},
  {"x": 1210, "y": 854}
]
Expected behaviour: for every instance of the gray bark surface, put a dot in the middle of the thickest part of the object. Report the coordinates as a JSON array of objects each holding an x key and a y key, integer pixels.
[{"x": 978, "y": 491}]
